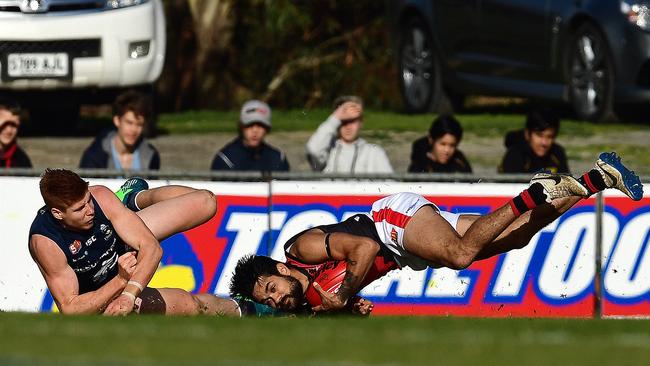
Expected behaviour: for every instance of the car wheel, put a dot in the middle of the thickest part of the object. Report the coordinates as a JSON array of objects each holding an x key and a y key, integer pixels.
[
  {"x": 590, "y": 75},
  {"x": 419, "y": 70}
]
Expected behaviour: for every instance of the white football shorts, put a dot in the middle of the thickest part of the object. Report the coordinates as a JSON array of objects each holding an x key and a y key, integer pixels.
[{"x": 391, "y": 214}]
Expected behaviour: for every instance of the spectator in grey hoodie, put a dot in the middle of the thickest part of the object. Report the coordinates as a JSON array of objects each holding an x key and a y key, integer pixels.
[{"x": 336, "y": 147}]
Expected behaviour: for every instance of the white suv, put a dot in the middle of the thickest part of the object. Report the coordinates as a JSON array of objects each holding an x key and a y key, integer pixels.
[{"x": 78, "y": 49}]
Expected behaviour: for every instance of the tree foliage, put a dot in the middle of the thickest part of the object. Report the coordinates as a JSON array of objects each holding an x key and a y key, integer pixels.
[{"x": 293, "y": 54}]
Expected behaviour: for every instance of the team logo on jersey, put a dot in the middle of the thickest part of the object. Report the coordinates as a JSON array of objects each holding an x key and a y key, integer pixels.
[
  {"x": 90, "y": 240},
  {"x": 75, "y": 247},
  {"x": 106, "y": 231},
  {"x": 393, "y": 236}
]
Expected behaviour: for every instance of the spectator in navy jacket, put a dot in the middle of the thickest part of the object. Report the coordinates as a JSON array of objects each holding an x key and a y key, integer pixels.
[
  {"x": 124, "y": 148},
  {"x": 249, "y": 151},
  {"x": 534, "y": 148}
]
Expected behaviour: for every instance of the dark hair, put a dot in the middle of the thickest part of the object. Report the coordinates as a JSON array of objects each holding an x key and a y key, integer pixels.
[
  {"x": 134, "y": 101},
  {"x": 347, "y": 98},
  {"x": 10, "y": 105},
  {"x": 443, "y": 125},
  {"x": 542, "y": 119},
  {"x": 248, "y": 271},
  {"x": 61, "y": 188}
]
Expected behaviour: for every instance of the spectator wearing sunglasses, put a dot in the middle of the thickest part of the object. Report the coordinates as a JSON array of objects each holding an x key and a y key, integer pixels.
[{"x": 11, "y": 155}]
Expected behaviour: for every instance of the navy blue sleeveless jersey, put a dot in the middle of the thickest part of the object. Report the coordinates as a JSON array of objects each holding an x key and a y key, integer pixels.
[{"x": 92, "y": 254}]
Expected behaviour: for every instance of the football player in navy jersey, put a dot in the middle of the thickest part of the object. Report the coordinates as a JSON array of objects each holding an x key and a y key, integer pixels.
[{"x": 97, "y": 255}]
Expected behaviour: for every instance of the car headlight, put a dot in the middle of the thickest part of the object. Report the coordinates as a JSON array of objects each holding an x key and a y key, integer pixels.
[
  {"x": 637, "y": 14},
  {"x": 118, "y": 4}
]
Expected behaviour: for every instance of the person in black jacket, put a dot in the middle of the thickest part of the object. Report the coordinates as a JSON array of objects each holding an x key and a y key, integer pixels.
[
  {"x": 124, "y": 148},
  {"x": 534, "y": 149},
  {"x": 249, "y": 151},
  {"x": 438, "y": 151},
  {"x": 11, "y": 155}
]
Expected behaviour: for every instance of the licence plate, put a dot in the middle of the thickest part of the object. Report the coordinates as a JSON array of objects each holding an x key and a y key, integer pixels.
[{"x": 37, "y": 65}]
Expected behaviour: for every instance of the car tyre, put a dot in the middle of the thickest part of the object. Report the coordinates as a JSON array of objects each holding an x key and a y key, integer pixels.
[
  {"x": 420, "y": 77},
  {"x": 590, "y": 74}
]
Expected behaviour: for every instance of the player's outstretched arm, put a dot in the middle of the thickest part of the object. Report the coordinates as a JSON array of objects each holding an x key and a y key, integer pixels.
[
  {"x": 62, "y": 281},
  {"x": 359, "y": 253},
  {"x": 132, "y": 230}
]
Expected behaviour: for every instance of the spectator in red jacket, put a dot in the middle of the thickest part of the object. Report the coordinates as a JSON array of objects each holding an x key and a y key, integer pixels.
[{"x": 11, "y": 155}]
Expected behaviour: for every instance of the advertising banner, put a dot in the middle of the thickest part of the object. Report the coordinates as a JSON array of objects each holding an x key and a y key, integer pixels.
[{"x": 553, "y": 276}]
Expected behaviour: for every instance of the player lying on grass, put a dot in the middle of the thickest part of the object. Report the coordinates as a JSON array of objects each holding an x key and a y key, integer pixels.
[
  {"x": 407, "y": 230},
  {"x": 84, "y": 241}
]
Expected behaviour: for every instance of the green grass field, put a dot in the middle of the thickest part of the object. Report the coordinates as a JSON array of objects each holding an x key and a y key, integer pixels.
[
  {"x": 483, "y": 124},
  {"x": 37, "y": 339}
]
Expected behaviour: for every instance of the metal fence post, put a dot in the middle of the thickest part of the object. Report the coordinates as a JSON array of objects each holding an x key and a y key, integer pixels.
[{"x": 598, "y": 278}]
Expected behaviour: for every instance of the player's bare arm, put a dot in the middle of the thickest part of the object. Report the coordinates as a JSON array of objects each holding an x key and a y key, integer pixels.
[
  {"x": 132, "y": 230},
  {"x": 359, "y": 253},
  {"x": 63, "y": 284}
]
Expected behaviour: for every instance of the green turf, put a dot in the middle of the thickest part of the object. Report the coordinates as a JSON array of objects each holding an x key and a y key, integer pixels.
[
  {"x": 484, "y": 124},
  {"x": 32, "y": 339}
]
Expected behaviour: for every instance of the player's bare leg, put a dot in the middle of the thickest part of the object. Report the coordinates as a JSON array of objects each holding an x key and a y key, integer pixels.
[
  {"x": 429, "y": 236},
  {"x": 519, "y": 233},
  {"x": 173, "y": 301},
  {"x": 152, "y": 196},
  {"x": 170, "y": 209},
  {"x": 180, "y": 213},
  {"x": 609, "y": 172}
]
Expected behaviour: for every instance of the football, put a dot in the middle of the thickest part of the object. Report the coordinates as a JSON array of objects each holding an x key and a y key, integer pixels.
[{"x": 329, "y": 279}]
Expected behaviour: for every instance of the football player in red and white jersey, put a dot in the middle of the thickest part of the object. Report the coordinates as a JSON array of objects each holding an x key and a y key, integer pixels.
[{"x": 405, "y": 229}]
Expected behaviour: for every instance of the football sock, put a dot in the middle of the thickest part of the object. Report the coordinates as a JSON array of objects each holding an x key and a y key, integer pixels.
[
  {"x": 250, "y": 308},
  {"x": 133, "y": 203},
  {"x": 528, "y": 199},
  {"x": 593, "y": 181}
]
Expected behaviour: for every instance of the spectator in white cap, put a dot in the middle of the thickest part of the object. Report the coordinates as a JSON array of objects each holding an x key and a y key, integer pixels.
[
  {"x": 11, "y": 155},
  {"x": 336, "y": 147},
  {"x": 249, "y": 151}
]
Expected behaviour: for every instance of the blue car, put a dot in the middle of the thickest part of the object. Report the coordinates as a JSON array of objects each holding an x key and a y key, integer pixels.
[{"x": 593, "y": 54}]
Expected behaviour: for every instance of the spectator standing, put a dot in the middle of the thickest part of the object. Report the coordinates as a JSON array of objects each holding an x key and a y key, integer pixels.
[
  {"x": 11, "y": 155},
  {"x": 534, "y": 149},
  {"x": 249, "y": 151},
  {"x": 438, "y": 151},
  {"x": 124, "y": 148},
  {"x": 336, "y": 147}
]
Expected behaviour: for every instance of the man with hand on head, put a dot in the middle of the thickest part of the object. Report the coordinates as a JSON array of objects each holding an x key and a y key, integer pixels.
[{"x": 336, "y": 147}]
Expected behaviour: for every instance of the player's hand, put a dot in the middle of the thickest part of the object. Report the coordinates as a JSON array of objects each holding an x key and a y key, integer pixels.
[
  {"x": 362, "y": 306},
  {"x": 329, "y": 302},
  {"x": 120, "y": 306},
  {"x": 348, "y": 111},
  {"x": 126, "y": 265}
]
